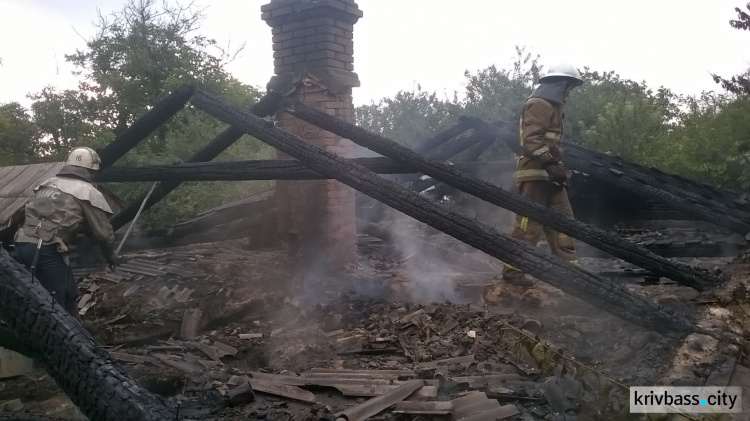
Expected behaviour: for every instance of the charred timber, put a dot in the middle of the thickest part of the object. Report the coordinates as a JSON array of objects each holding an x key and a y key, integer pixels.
[
  {"x": 84, "y": 371},
  {"x": 491, "y": 193},
  {"x": 271, "y": 169},
  {"x": 701, "y": 192},
  {"x": 610, "y": 297},
  {"x": 267, "y": 105},
  {"x": 439, "y": 147},
  {"x": 668, "y": 189},
  {"x": 699, "y": 201},
  {"x": 480, "y": 141},
  {"x": 145, "y": 125},
  {"x": 442, "y": 137}
]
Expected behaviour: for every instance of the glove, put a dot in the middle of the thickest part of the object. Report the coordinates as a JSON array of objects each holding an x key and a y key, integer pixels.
[
  {"x": 111, "y": 259},
  {"x": 558, "y": 173}
]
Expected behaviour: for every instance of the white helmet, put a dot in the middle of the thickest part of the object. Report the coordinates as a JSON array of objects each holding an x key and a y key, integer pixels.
[
  {"x": 564, "y": 70},
  {"x": 83, "y": 157}
]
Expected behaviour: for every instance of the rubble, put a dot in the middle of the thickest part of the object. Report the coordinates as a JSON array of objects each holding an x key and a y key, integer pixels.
[{"x": 336, "y": 343}]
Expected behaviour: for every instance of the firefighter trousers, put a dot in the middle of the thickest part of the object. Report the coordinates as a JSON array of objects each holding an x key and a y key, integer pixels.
[
  {"x": 556, "y": 198},
  {"x": 52, "y": 272}
]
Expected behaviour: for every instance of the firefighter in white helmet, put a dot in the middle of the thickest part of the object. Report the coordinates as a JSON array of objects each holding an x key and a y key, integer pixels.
[
  {"x": 63, "y": 206},
  {"x": 541, "y": 175}
]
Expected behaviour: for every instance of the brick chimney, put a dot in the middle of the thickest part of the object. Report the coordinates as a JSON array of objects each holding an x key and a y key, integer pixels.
[{"x": 313, "y": 62}]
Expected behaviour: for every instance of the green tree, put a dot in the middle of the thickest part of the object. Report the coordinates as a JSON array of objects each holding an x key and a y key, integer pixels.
[
  {"x": 619, "y": 116},
  {"x": 708, "y": 144},
  {"x": 409, "y": 117},
  {"x": 138, "y": 56},
  {"x": 499, "y": 94},
  {"x": 740, "y": 84},
  {"x": 18, "y": 135},
  {"x": 65, "y": 119}
]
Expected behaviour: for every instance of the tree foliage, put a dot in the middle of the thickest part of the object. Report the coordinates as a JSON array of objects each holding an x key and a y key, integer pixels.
[
  {"x": 408, "y": 117},
  {"x": 740, "y": 84},
  {"x": 17, "y": 135},
  {"x": 137, "y": 57},
  {"x": 703, "y": 138}
]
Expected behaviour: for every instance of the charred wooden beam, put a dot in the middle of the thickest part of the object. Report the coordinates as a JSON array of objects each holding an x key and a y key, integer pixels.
[
  {"x": 145, "y": 125},
  {"x": 491, "y": 193},
  {"x": 442, "y": 137},
  {"x": 700, "y": 192},
  {"x": 610, "y": 297},
  {"x": 89, "y": 376},
  {"x": 270, "y": 169},
  {"x": 699, "y": 201},
  {"x": 663, "y": 189},
  {"x": 266, "y": 106}
]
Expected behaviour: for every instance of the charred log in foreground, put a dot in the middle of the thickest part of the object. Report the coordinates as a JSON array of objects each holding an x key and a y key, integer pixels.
[
  {"x": 87, "y": 374},
  {"x": 702, "y": 203},
  {"x": 491, "y": 193},
  {"x": 610, "y": 297},
  {"x": 145, "y": 125},
  {"x": 266, "y": 106}
]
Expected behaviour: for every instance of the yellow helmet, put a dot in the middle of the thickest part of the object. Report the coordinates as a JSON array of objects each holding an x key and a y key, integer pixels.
[
  {"x": 84, "y": 157},
  {"x": 564, "y": 70}
]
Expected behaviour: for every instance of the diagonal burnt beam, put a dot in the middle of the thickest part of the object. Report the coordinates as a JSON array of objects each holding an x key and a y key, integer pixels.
[
  {"x": 84, "y": 371},
  {"x": 145, "y": 125},
  {"x": 608, "y": 296},
  {"x": 701, "y": 202},
  {"x": 491, "y": 193},
  {"x": 267, "y": 105}
]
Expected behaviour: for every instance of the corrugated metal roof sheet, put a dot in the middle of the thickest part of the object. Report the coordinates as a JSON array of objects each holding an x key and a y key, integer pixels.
[{"x": 17, "y": 185}]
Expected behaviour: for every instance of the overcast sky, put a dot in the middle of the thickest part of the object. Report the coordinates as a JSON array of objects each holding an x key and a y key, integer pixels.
[{"x": 399, "y": 43}]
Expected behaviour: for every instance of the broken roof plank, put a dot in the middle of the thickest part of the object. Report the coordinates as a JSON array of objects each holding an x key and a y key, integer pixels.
[
  {"x": 424, "y": 408},
  {"x": 424, "y": 392},
  {"x": 466, "y": 359},
  {"x": 375, "y": 405},
  {"x": 140, "y": 270},
  {"x": 476, "y": 406},
  {"x": 284, "y": 390},
  {"x": 130, "y": 358},
  {"x": 479, "y": 382},
  {"x": 370, "y": 374}
]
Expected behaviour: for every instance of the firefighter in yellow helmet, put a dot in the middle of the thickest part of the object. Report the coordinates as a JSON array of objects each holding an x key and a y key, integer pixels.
[
  {"x": 63, "y": 206},
  {"x": 541, "y": 175}
]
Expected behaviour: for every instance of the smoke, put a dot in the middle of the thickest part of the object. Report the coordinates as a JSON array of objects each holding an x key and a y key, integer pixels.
[{"x": 429, "y": 278}]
